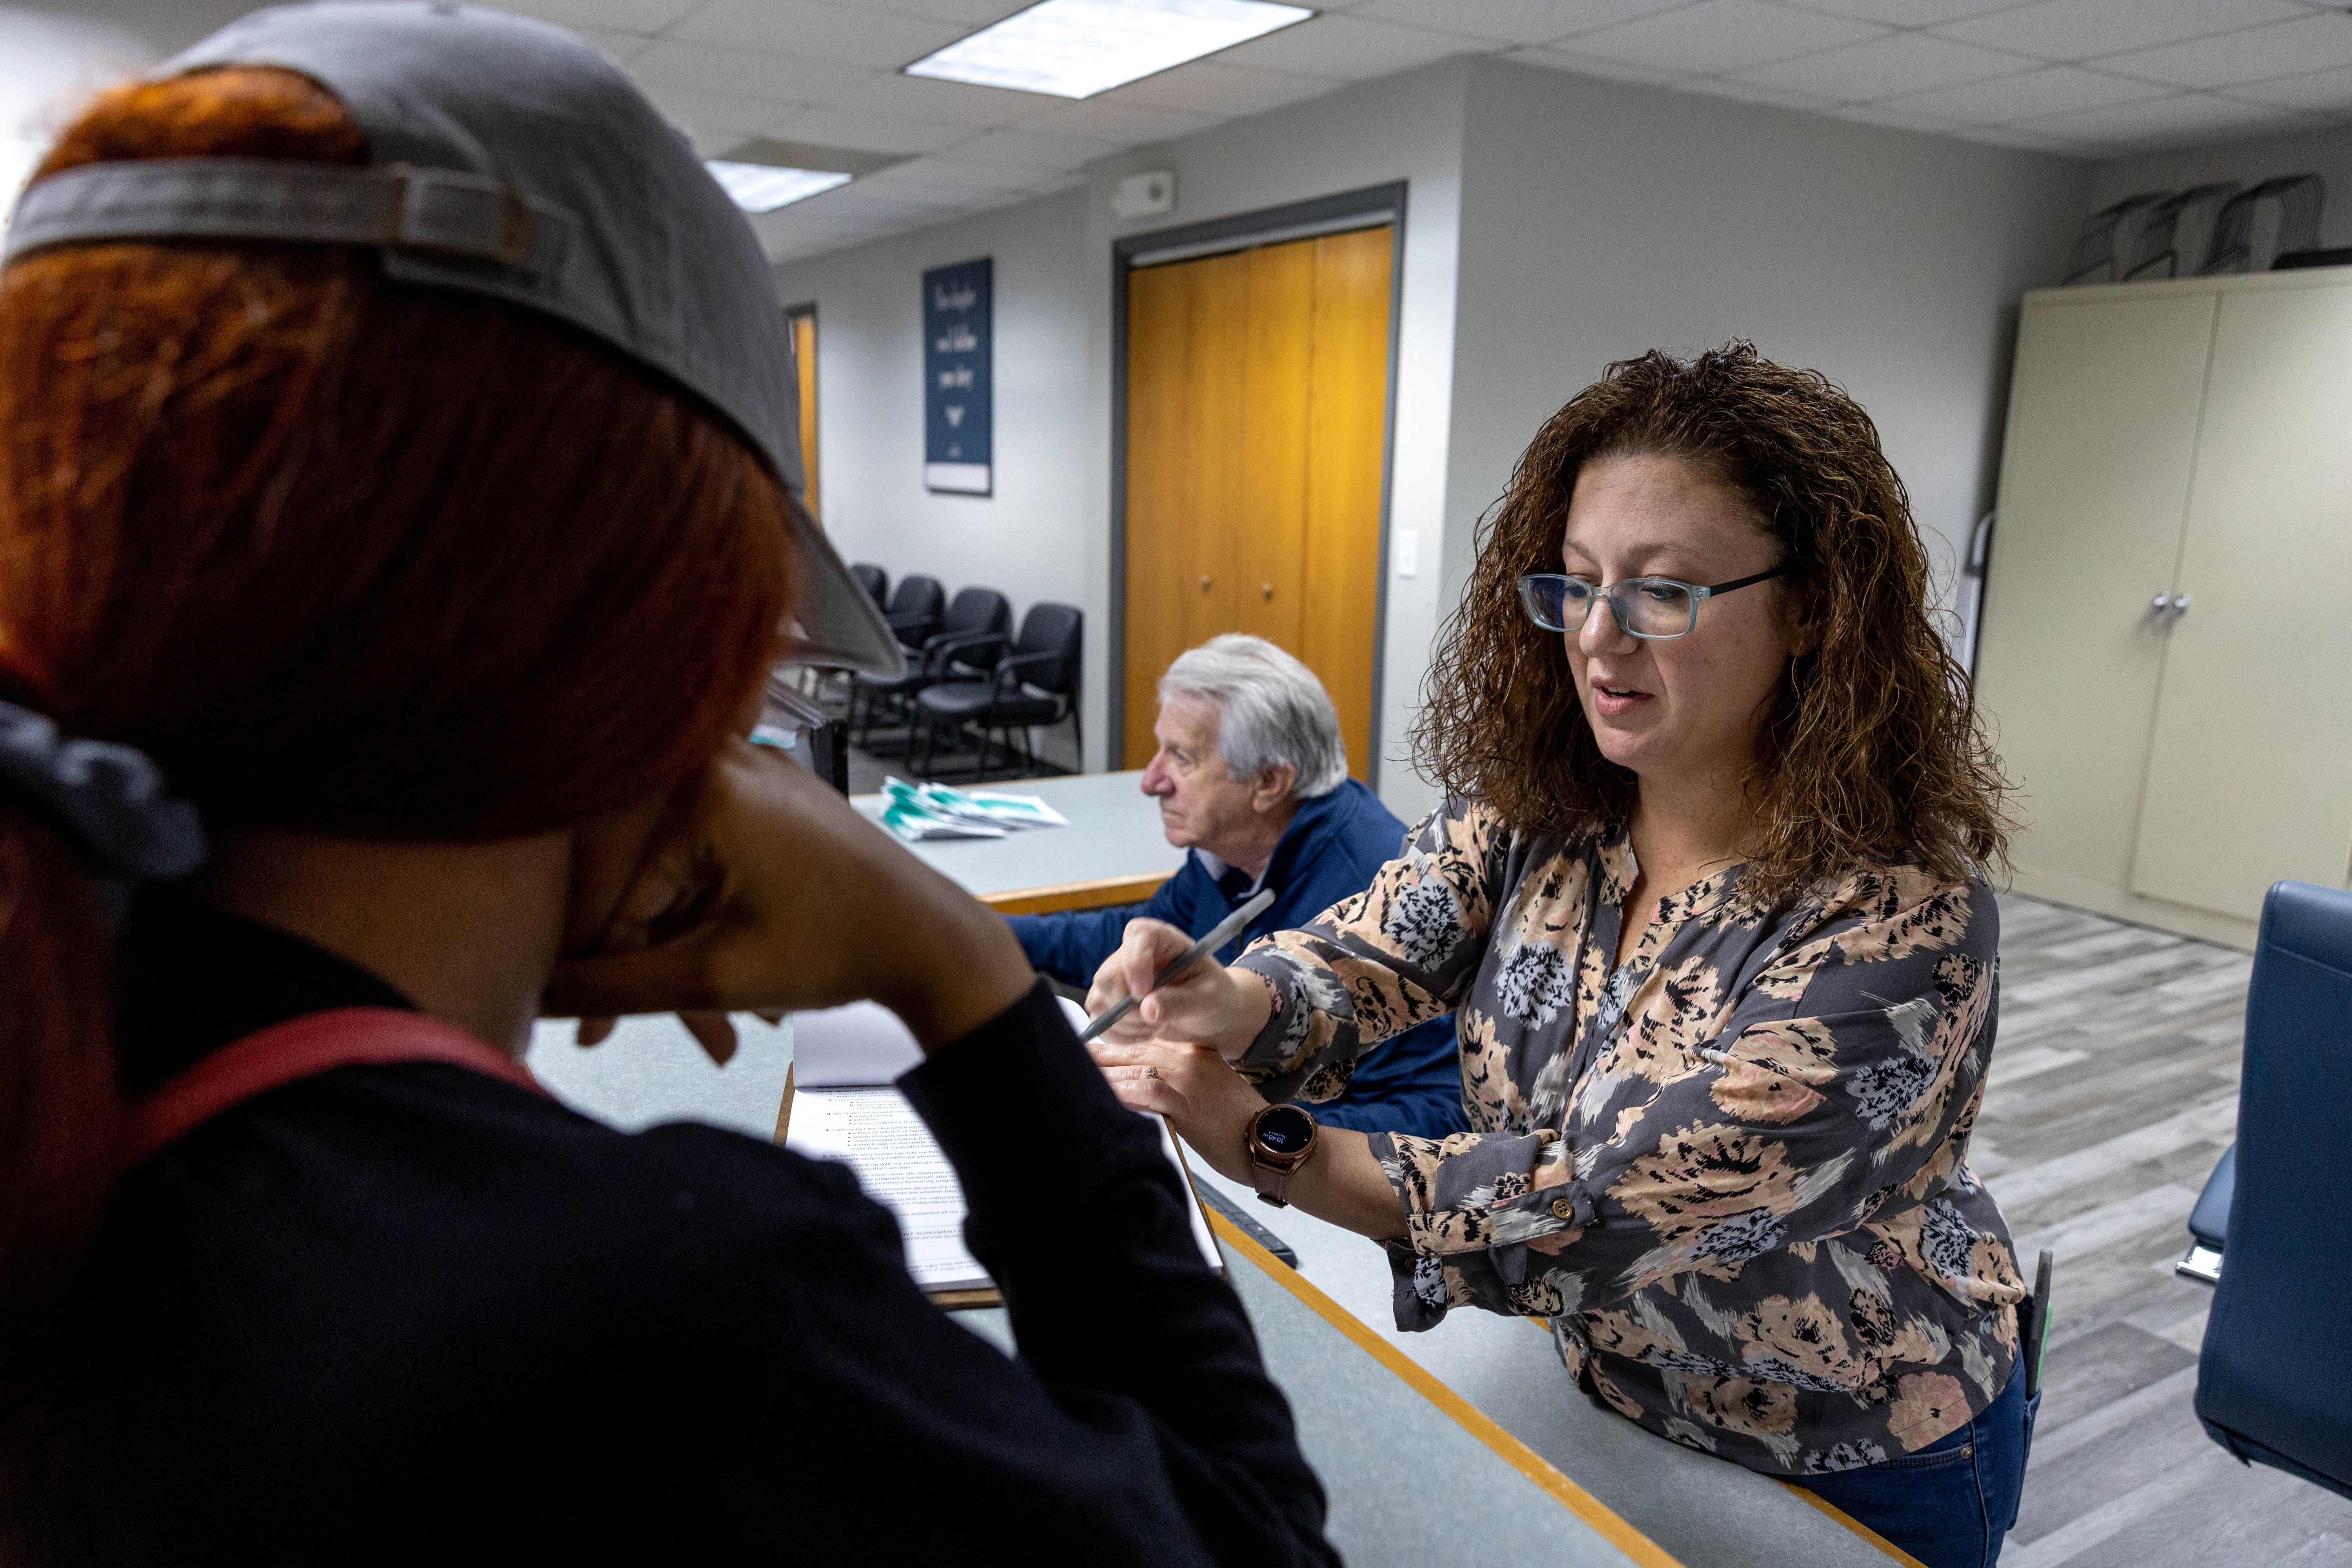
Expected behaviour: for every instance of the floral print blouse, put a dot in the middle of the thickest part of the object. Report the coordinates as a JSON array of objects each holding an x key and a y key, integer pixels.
[{"x": 1731, "y": 1172}]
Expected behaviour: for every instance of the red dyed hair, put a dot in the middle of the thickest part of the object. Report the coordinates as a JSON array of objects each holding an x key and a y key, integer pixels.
[{"x": 341, "y": 556}]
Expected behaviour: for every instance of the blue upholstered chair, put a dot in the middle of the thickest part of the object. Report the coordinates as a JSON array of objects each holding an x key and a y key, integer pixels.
[{"x": 2275, "y": 1382}]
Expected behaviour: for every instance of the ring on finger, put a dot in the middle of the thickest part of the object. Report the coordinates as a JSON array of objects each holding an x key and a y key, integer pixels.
[{"x": 1151, "y": 1072}]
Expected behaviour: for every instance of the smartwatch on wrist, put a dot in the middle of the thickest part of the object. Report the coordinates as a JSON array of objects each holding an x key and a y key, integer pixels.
[{"x": 1280, "y": 1138}]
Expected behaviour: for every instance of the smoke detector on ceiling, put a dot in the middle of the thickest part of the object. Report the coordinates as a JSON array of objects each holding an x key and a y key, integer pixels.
[{"x": 1143, "y": 195}]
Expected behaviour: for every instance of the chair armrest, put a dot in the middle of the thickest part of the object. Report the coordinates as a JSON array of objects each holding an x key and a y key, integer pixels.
[
  {"x": 1020, "y": 661},
  {"x": 940, "y": 650},
  {"x": 910, "y": 618}
]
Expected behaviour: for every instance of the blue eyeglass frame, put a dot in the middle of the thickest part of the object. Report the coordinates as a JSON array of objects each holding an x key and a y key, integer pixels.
[{"x": 1527, "y": 585}]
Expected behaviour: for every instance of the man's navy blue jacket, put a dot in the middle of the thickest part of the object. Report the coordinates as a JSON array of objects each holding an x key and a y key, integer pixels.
[{"x": 1411, "y": 1083}]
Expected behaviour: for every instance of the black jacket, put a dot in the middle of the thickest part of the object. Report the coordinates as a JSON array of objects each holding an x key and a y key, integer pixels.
[{"x": 413, "y": 1313}]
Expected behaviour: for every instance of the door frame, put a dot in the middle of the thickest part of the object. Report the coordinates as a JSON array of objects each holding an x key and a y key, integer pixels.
[
  {"x": 1364, "y": 209},
  {"x": 808, "y": 459}
]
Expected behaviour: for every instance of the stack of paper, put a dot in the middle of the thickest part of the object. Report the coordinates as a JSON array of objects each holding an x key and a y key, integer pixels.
[
  {"x": 843, "y": 1107},
  {"x": 917, "y": 812}
]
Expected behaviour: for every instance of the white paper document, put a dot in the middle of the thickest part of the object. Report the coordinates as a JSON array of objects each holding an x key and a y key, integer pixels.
[
  {"x": 879, "y": 1136},
  {"x": 844, "y": 1108}
]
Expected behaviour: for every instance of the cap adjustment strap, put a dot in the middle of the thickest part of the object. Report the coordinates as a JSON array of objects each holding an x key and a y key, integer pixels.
[{"x": 444, "y": 211}]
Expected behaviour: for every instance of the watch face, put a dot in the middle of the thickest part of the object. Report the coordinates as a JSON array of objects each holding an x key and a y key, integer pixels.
[{"x": 1284, "y": 1130}]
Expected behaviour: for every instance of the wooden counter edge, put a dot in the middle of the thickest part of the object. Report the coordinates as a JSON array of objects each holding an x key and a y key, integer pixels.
[{"x": 1099, "y": 893}]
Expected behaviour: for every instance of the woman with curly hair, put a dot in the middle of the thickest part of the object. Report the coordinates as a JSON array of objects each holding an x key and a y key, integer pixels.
[{"x": 1708, "y": 897}]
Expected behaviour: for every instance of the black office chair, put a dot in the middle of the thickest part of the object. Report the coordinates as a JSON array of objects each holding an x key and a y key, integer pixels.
[
  {"x": 969, "y": 638},
  {"x": 915, "y": 609},
  {"x": 2274, "y": 1379},
  {"x": 1035, "y": 684},
  {"x": 875, "y": 581}
]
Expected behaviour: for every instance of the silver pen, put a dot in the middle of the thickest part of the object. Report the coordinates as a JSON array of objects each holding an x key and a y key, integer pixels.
[{"x": 1223, "y": 933}]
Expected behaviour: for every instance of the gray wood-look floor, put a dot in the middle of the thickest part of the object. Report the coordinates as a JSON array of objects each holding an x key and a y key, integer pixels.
[{"x": 2113, "y": 1090}]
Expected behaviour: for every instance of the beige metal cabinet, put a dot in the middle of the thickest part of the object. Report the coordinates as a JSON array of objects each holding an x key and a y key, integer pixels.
[{"x": 2166, "y": 648}]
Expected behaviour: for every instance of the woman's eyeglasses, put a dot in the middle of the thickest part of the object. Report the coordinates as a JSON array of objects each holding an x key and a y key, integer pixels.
[{"x": 1644, "y": 606}]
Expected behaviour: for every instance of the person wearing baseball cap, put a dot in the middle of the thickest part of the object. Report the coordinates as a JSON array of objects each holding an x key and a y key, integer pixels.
[{"x": 398, "y": 519}]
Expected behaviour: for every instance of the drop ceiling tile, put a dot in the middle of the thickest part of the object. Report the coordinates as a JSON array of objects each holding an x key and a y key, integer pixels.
[
  {"x": 2158, "y": 122},
  {"x": 2255, "y": 54},
  {"x": 971, "y": 14},
  {"x": 646, "y": 16},
  {"x": 1720, "y": 36},
  {"x": 1512, "y": 21},
  {"x": 2078, "y": 29},
  {"x": 745, "y": 73},
  {"x": 1127, "y": 124},
  {"x": 956, "y": 174},
  {"x": 1892, "y": 119},
  {"x": 876, "y": 39},
  {"x": 862, "y": 201},
  {"x": 1027, "y": 150},
  {"x": 2319, "y": 92},
  {"x": 714, "y": 144},
  {"x": 613, "y": 45},
  {"x": 2027, "y": 141},
  {"x": 1901, "y": 13},
  {"x": 1586, "y": 65},
  {"x": 928, "y": 97},
  {"x": 2036, "y": 95},
  {"x": 1885, "y": 67},
  {"x": 1206, "y": 86},
  {"x": 870, "y": 133},
  {"x": 1741, "y": 92},
  {"x": 870, "y": 201},
  {"x": 1349, "y": 47},
  {"x": 726, "y": 115}
]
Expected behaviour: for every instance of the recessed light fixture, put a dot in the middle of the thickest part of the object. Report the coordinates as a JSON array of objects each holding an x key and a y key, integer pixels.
[
  {"x": 1077, "y": 48},
  {"x": 764, "y": 187}
]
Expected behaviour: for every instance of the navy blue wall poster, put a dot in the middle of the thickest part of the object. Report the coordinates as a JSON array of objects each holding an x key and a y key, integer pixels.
[{"x": 957, "y": 427}]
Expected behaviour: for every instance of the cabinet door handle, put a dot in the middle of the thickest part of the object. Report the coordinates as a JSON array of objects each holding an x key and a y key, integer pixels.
[
  {"x": 2179, "y": 605},
  {"x": 1205, "y": 582},
  {"x": 1266, "y": 589},
  {"x": 2162, "y": 603}
]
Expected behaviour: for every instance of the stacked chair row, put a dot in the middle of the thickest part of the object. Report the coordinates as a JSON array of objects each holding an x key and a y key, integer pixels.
[{"x": 968, "y": 672}]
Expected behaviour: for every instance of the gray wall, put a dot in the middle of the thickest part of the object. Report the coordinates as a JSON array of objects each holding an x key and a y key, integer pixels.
[
  {"x": 2327, "y": 153},
  {"x": 1555, "y": 223},
  {"x": 1047, "y": 532},
  {"x": 1025, "y": 540},
  {"x": 1600, "y": 220}
]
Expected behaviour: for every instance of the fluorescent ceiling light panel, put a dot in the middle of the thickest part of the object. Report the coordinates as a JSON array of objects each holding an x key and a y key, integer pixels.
[
  {"x": 1077, "y": 48},
  {"x": 764, "y": 187}
]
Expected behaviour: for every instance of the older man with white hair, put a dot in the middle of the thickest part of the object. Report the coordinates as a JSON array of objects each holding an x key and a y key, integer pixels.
[{"x": 1251, "y": 777}]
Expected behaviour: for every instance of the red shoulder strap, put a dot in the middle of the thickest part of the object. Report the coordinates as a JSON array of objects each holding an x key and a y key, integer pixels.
[{"x": 300, "y": 1049}]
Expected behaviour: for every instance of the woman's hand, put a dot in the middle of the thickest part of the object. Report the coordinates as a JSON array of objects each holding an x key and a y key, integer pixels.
[
  {"x": 1207, "y": 1005},
  {"x": 764, "y": 890},
  {"x": 1205, "y": 1100}
]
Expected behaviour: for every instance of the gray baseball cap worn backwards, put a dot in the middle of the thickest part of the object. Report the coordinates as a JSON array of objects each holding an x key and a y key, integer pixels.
[{"x": 508, "y": 159}]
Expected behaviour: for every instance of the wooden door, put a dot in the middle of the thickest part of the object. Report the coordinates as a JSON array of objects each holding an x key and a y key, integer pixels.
[
  {"x": 1257, "y": 410},
  {"x": 2250, "y": 771},
  {"x": 2102, "y": 421},
  {"x": 803, "y": 324}
]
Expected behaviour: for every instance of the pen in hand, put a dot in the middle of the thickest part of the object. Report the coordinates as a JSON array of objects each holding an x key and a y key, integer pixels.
[{"x": 1223, "y": 933}]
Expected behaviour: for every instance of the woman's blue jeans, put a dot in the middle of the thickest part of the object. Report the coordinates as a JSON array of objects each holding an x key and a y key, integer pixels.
[{"x": 1950, "y": 1504}]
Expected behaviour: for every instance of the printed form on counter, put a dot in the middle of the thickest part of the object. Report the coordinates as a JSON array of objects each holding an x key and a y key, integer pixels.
[{"x": 845, "y": 1107}]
